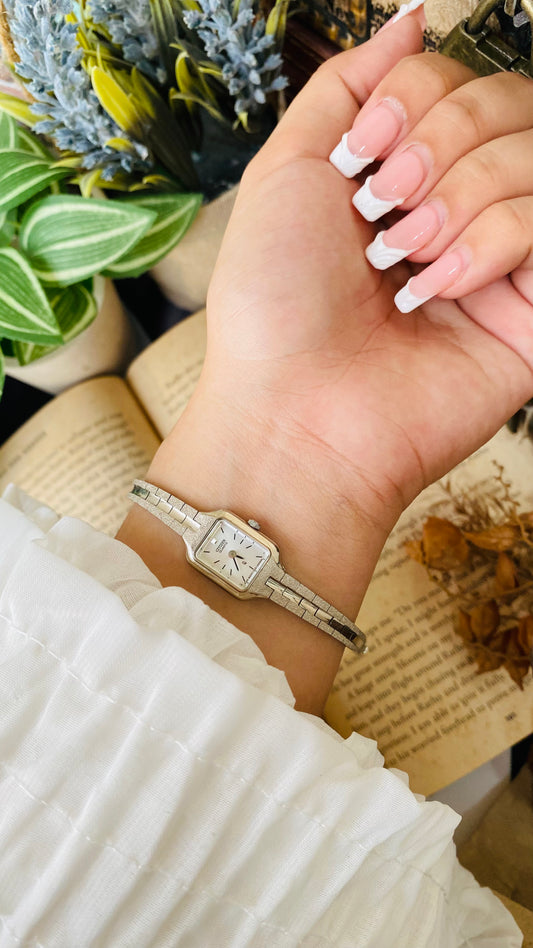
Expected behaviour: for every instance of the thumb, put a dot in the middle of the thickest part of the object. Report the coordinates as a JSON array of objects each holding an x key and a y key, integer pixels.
[{"x": 329, "y": 102}]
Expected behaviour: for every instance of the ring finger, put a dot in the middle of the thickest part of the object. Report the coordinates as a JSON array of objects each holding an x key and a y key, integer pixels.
[
  {"x": 496, "y": 171},
  {"x": 475, "y": 263}
]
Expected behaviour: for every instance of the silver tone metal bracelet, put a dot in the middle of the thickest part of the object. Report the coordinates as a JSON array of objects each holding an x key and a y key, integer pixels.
[{"x": 243, "y": 561}]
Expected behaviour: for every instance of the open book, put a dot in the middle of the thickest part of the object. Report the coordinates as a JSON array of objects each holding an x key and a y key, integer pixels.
[{"x": 415, "y": 691}]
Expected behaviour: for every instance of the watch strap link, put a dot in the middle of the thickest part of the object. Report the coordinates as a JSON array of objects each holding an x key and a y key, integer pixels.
[
  {"x": 176, "y": 514},
  {"x": 281, "y": 588},
  {"x": 294, "y": 596}
]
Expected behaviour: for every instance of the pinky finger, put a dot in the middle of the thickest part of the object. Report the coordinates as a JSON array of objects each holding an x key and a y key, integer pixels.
[{"x": 496, "y": 243}]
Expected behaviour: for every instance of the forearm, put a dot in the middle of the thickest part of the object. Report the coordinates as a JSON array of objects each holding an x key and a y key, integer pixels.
[{"x": 325, "y": 543}]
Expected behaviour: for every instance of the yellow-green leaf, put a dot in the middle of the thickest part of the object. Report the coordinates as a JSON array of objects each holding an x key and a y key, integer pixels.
[
  {"x": 276, "y": 23},
  {"x": 114, "y": 100},
  {"x": 19, "y": 109}
]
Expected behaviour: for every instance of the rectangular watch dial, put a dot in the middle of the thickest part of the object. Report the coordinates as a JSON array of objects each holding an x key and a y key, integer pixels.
[{"x": 232, "y": 554}]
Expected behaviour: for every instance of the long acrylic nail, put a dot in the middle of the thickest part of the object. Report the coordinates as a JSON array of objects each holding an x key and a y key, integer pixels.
[
  {"x": 408, "y": 235},
  {"x": 368, "y": 138},
  {"x": 403, "y": 11},
  {"x": 398, "y": 178},
  {"x": 435, "y": 279}
]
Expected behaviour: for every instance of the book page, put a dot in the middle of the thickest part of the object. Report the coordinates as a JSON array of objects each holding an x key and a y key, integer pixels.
[
  {"x": 416, "y": 691},
  {"x": 80, "y": 452},
  {"x": 164, "y": 376}
]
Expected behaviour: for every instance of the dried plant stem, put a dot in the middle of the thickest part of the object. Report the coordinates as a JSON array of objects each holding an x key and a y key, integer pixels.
[
  {"x": 480, "y": 647},
  {"x": 516, "y": 591},
  {"x": 9, "y": 52},
  {"x": 457, "y": 593}
]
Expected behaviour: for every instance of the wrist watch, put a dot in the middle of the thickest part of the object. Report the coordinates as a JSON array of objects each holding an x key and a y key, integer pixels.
[{"x": 237, "y": 556}]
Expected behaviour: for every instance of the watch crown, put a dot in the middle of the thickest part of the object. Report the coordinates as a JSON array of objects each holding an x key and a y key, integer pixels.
[{"x": 254, "y": 524}]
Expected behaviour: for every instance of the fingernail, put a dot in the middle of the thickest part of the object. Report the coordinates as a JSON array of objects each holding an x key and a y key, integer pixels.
[
  {"x": 435, "y": 279},
  {"x": 403, "y": 11},
  {"x": 398, "y": 178},
  {"x": 413, "y": 232},
  {"x": 368, "y": 138}
]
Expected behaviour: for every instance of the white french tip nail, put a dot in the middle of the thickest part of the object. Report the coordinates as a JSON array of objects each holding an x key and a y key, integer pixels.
[
  {"x": 406, "y": 301},
  {"x": 407, "y": 8},
  {"x": 349, "y": 165},
  {"x": 381, "y": 256},
  {"x": 369, "y": 205}
]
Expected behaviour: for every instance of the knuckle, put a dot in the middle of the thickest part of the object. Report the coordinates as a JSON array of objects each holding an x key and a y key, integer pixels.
[
  {"x": 462, "y": 110},
  {"x": 423, "y": 71},
  {"x": 510, "y": 221},
  {"x": 512, "y": 83},
  {"x": 485, "y": 169}
]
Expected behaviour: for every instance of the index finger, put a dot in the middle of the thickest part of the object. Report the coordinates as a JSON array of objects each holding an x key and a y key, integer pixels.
[{"x": 333, "y": 96}]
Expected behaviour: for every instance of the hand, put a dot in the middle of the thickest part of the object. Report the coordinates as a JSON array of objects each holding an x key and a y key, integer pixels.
[
  {"x": 322, "y": 410},
  {"x": 378, "y": 402}
]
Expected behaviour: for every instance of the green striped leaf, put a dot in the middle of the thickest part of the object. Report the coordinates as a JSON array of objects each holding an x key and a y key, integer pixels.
[
  {"x": 8, "y": 131},
  {"x": 23, "y": 175},
  {"x": 74, "y": 307},
  {"x": 33, "y": 145},
  {"x": 68, "y": 238},
  {"x": 25, "y": 312},
  {"x": 8, "y": 220},
  {"x": 175, "y": 213}
]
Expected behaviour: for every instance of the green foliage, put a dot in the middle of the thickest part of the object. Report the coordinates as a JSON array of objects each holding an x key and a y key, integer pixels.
[
  {"x": 54, "y": 240},
  {"x": 174, "y": 213},
  {"x": 74, "y": 308},
  {"x": 69, "y": 238},
  {"x": 23, "y": 175},
  {"x": 124, "y": 86},
  {"x": 25, "y": 312}
]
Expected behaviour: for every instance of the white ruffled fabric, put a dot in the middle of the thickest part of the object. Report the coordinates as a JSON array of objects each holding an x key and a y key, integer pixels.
[{"x": 157, "y": 788}]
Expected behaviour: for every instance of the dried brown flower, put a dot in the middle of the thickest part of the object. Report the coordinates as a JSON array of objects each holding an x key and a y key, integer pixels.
[
  {"x": 525, "y": 634},
  {"x": 517, "y": 663},
  {"x": 506, "y": 574},
  {"x": 443, "y": 544},
  {"x": 500, "y": 538},
  {"x": 497, "y": 624},
  {"x": 485, "y": 620}
]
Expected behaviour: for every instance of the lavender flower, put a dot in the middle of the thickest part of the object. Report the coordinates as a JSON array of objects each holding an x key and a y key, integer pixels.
[
  {"x": 51, "y": 63},
  {"x": 130, "y": 26},
  {"x": 242, "y": 50}
]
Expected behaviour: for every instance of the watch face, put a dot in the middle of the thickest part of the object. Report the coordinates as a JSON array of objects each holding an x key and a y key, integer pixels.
[{"x": 232, "y": 554}]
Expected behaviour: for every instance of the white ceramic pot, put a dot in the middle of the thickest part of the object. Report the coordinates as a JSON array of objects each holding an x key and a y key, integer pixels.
[
  {"x": 184, "y": 274},
  {"x": 106, "y": 347}
]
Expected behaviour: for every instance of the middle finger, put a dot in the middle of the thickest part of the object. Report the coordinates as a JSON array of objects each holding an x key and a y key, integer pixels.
[{"x": 472, "y": 115}]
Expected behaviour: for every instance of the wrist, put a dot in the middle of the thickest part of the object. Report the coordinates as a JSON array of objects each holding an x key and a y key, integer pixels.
[
  {"x": 212, "y": 460},
  {"x": 327, "y": 541}
]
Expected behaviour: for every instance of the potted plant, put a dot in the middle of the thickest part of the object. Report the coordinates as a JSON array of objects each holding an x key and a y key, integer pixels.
[
  {"x": 146, "y": 94},
  {"x": 55, "y": 247}
]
